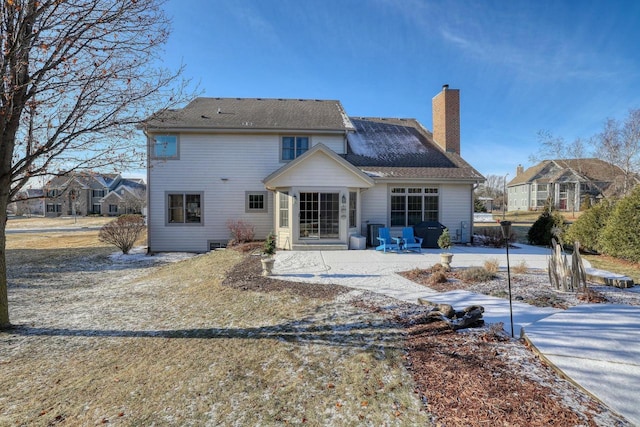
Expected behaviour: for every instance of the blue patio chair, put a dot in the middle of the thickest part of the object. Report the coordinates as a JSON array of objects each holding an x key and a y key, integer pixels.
[
  {"x": 411, "y": 242},
  {"x": 386, "y": 241}
]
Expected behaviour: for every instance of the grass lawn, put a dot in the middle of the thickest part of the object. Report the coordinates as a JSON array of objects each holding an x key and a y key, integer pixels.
[
  {"x": 58, "y": 222},
  {"x": 99, "y": 339}
]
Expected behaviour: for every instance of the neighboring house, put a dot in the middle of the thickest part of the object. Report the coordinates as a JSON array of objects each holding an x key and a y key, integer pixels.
[
  {"x": 84, "y": 193},
  {"x": 566, "y": 184},
  {"x": 129, "y": 197},
  {"x": 30, "y": 202},
  {"x": 303, "y": 169}
]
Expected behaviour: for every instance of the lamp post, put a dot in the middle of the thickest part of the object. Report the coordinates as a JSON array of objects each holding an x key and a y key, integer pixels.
[
  {"x": 504, "y": 196},
  {"x": 506, "y": 232}
]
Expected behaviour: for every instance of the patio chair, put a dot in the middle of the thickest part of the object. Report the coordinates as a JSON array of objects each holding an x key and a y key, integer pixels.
[
  {"x": 411, "y": 242},
  {"x": 386, "y": 241}
]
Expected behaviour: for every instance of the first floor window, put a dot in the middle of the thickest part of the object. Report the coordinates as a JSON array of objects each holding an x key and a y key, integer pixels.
[
  {"x": 54, "y": 208},
  {"x": 284, "y": 209},
  {"x": 97, "y": 209},
  {"x": 410, "y": 206},
  {"x": 353, "y": 204},
  {"x": 184, "y": 208},
  {"x": 255, "y": 201},
  {"x": 113, "y": 209}
]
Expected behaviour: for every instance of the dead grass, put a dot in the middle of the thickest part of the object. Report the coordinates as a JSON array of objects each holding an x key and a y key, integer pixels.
[
  {"x": 58, "y": 222},
  {"x": 615, "y": 265},
  {"x": 169, "y": 345}
]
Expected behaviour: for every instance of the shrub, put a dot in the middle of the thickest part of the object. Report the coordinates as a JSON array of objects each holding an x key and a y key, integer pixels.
[
  {"x": 476, "y": 275},
  {"x": 588, "y": 228},
  {"x": 492, "y": 236},
  {"x": 521, "y": 267},
  {"x": 621, "y": 236},
  {"x": 478, "y": 206},
  {"x": 269, "y": 248},
  {"x": 122, "y": 232},
  {"x": 241, "y": 232},
  {"x": 492, "y": 265},
  {"x": 444, "y": 241},
  {"x": 438, "y": 277},
  {"x": 548, "y": 225}
]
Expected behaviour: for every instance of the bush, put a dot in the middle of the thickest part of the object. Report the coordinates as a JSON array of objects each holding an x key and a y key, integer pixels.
[
  {"x": 621, "y": 235},
  {"x": 492, "y": 265},
  {"x": 548, "y": 225},
  {"x": 122, "y": 232},
  {"x": 521, "y": 267},
  {"x": 444, "y": 241},
  {"x": 588, "y": 228},
  {"x": 438, "y": 277},
  {"x": 476, "y": 275},
  {"x": 492, "y": 236},
  {"x": 269, "y": 247},
  {"x": 241, "y": 232}
]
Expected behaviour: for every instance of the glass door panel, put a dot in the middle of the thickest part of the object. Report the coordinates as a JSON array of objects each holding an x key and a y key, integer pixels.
[
  {"x": 319, "y": 215},
  {"x": 329, "y": 215}
]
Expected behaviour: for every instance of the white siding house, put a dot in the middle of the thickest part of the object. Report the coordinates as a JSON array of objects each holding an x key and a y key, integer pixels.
[{"x": 302, "y": 169}]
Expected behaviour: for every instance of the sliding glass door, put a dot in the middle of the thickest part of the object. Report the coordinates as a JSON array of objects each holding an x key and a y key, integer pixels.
[{"x": 319, "y": 215}]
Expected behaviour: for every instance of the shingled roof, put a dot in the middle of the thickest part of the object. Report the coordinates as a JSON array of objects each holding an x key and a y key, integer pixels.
[
  {"x": 381, "y": 147},
  {"x": 254, "y": 113},
  {"x": 583, "y": 170},
  {"x": 402, "y": 148}
]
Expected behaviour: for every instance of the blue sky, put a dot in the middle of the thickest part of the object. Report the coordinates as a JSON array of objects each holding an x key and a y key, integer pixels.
[{"x": 521, "y": 66}]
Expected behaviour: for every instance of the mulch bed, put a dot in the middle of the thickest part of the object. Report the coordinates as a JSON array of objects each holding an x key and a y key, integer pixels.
[{"x": 463, "y": 378}]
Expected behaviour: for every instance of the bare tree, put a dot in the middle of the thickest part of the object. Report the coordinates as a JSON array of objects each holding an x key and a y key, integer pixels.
[
  {"x": 619, "y": 144},
  {"x": 76, "y": 77},
  {"x": 493, "y": 187},
  {"x": 556, "y": 147}
]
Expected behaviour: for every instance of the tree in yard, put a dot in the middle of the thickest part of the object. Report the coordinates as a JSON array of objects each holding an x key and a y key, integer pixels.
[
  {"x": 620, "y": 237},
  {"x": 76, "y": 78},
  {"x": 619, "y": 144},
  {"x": 122, "y": 232}
]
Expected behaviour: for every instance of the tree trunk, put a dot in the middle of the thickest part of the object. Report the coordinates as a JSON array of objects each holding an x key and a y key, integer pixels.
[{"x": 4, "y": 300}]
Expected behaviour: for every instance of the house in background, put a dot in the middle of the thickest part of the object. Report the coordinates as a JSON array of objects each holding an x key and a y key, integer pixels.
[
  {"x": 84, "y": 194},
  {"x": 303, "y": 169},
  {"x": 29, "y": 202},
  {"x": 568, "y": 184},
  {"x": 128, "y": 197}
]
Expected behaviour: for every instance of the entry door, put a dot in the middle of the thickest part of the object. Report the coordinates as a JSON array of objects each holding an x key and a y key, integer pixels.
[{"x": 319, "y": 216}]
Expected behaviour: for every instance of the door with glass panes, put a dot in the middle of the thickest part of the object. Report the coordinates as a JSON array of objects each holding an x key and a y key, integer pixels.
[{"x": 319, "y": 216}]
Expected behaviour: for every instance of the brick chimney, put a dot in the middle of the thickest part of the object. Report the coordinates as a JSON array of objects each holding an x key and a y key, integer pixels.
[
  {"x": 446, "y": 119},
  {"x": 519, "y": 170}
]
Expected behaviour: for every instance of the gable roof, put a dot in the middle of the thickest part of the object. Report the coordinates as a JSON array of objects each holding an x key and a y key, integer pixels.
[
  {"x": 253, "y": 114},
  {"x": 364, "y": 180},
  {"x": 581, "y": 170},
  {"x": 402, "y": 148},
  {"x": 83, "y": 179}
]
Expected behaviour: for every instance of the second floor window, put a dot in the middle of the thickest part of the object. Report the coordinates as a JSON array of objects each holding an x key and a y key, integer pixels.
[
  {"x": 294, "y": 146},
  {"x": 165, "y": 146}
]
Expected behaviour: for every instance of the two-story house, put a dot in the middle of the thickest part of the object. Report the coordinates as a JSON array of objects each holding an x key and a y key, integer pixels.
[
  {"x": 303, "y": 169},
  {"x": 88, "y": 193},
  {"x": 567, "y": 184}
]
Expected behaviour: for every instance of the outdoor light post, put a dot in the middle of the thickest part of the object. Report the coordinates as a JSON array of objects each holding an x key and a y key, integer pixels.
[
  {"x": 504, "y": 196},
  {"x": 506, "y": 232}
]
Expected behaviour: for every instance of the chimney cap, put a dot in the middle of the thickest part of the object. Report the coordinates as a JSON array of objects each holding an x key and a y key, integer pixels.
[{"x": 445, "y": 86}]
